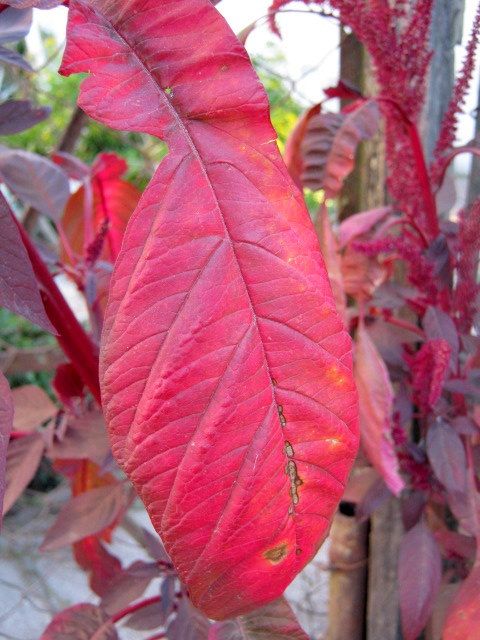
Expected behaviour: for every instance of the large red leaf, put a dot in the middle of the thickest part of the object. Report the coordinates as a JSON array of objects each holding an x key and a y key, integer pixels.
[
  {"x": 225, "y": 369},
  {"x": 6, "y": 422},
  {"x": 18, "y": 287}
]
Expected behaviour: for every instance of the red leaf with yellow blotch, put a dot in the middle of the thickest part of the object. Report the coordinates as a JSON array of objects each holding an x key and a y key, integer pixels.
[{"x": 225, "y": 368}]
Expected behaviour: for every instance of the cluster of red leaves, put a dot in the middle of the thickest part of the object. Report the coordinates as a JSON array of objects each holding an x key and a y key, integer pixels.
[{"x": 420, "y": 433}]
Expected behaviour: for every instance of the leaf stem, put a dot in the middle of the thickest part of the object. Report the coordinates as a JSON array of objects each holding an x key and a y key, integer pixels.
[
  {"x": 423, "y": 175},
  {"x": 134, "y": 607},
  {"x": 72, "y": 338}
]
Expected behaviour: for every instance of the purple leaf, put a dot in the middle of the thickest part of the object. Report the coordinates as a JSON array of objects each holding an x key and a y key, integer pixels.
[
  {"x": 18, "y": 115},
  {"x": 6, "y": 420},
  {"x": 412, "y": 507},
  {"x": 12, "y": 57},
  {"x": 18, "y": 288},
  {"x": 14, "y": 24},
  {"x": 81, "y": 622},
  {"x": 438, "y": 324},
  {"x": 275, "y": 621},
  {"x": 419, "y": 575},
  {"x": 36, "y": 180},
  {"x": 376, "y": 495},
  {"x": 23, "y": 458},
  {"x": 188, "y": 624},
  {"x": 146, "y": 618},
  {"x": 129, "y": 585},
  {"x": 86, "y": 515},
  {"x": 447, "y": 456},
  {"x": 167, "y": 592},
  {"x": 37, "y": 4},
  {"x": 72, "y": 166}
]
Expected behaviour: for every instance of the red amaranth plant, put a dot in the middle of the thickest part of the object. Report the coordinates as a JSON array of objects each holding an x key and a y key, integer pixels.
[{"x": 422, "y": 418}]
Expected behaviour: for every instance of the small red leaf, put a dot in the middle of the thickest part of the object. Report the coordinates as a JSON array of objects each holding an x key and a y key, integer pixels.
[
  {"x": 463, "y": 616},
  {"x": 35, "y": 180},
  {"x": 102, "y": 567},
  {"x": 419, "y": 575},
  {"x": 18, "y": 288},
  {"x": 429, "y": 369},
  {"x": 18, "y": 115},
  {"x": 114, "y": 201},
  {"x": 276, "y": 621},
  {"x": 85, "y": 515},
  {"x": 330, "y": 143},
  {"x": 32, "y": 407},
  {"x": 376, "y": 404},
  {"x": 361, "y": 223},
  {"x": 6, "y": 421},
  {"x": 23, "y": 457},
  {"x": 225, "y": 368},
  {"x": 81, "y": 622},
  {"x": 447, "y": 456},
  {"x": 344, "y": 91}
]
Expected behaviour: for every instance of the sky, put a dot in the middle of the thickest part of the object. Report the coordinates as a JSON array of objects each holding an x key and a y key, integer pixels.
[{"x": 309, "y": 47}]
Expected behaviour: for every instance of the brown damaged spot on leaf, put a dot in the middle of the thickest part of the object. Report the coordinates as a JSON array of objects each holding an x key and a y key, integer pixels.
[
  {"x": 277, "y": 554},
  {"x": 295, "y": 480}
]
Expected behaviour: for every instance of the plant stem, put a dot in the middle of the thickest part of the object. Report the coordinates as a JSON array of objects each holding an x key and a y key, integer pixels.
[
  {"x": 403, "y": 324},
  {"x": 73, "y": 339},
  {"x": 134, "y": 607},
  {"x": 423, "y": 175}
]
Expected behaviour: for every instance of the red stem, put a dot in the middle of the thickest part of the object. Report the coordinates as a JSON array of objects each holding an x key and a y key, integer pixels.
[
  {"x": 134, "y": 607},
  {"x": 403, "y": 324},
  {"x": 72, "y": 338},
  {"x": 423, "y": 175}
]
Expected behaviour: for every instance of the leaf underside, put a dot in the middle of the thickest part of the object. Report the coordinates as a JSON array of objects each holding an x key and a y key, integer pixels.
[{"x": 225, "y": 369}]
